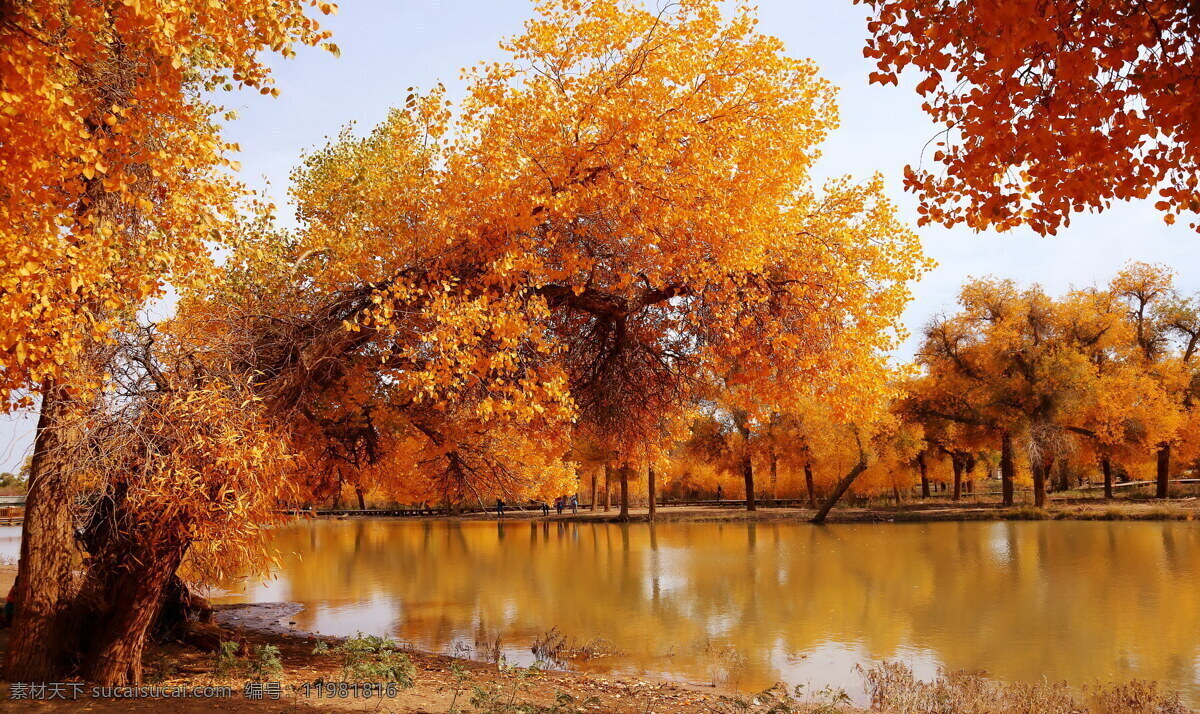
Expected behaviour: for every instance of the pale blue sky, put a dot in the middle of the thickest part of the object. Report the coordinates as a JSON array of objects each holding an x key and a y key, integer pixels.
[{"x": 390, "y": 45}]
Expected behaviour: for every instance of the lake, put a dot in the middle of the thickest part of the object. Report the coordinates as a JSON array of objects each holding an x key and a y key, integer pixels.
[{"x": 749, "y": 604}]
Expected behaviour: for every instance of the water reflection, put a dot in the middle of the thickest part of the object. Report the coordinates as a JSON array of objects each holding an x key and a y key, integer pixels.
[{"x": 1075, "y": 601}]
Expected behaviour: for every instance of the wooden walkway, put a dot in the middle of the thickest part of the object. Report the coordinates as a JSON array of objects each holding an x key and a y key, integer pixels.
[{"x": 1133, "y": 484}]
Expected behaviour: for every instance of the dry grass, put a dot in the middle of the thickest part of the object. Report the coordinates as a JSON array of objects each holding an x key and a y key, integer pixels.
[
  {"x": 893, "y": 689},
  {"x": 553, "y": 648}
]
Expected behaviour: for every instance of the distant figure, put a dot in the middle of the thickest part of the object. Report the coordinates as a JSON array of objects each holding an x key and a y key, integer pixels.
[
  {"x": 719, "y": 492},
  {"x": 500, "y": 508},
  {"x": 575, "y": 503},
  {"x": 545, "y": 508},
  {"x": 559, "y": 504}
]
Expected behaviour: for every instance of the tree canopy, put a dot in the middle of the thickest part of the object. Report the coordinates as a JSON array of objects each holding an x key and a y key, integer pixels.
[{"x": 1047, "y": 109}]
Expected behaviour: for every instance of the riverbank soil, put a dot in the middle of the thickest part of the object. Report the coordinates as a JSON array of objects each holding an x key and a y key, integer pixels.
[{"x": 438, "y": 687}]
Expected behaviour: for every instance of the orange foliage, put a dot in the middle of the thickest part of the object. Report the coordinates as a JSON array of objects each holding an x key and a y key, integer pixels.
[
  {"x": 1049, "y": 108},
  {"x": 1108, "y": 371},
  {"x": 189, "y": 461},
  {"x": 622, "y": 211},
  {"x": 115, "y": 171}
]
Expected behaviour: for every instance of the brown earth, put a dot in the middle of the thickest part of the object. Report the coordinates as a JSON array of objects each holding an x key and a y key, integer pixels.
[{"x": 437, "y": 688}]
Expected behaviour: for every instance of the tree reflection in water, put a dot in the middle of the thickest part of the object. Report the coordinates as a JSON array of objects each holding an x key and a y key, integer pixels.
[{"x": 1066, "y": 600}]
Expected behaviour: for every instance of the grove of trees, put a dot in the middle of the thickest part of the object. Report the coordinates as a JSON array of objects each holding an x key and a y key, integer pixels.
[{"x": 1048, "y": 392}]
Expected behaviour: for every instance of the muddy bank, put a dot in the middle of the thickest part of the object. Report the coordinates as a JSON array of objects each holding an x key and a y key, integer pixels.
[
  {"x": 440, "y": 683},
  {"x": 268, "y": 618}
]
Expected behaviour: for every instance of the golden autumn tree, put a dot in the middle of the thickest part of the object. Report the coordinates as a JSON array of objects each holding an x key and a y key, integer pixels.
[
  {"x": 663, "y": 297},
  {"x": 807, "y": 441},
  {"x": 960, "y": 439},
  {"x": 1010, "y": 364},
  {"x": 1048, "y": 108},
  {"x": 896, "y": 445},
  {"x": 1125, "y": 412},
  {"x": 1163, "y": 334},
  {"x": 116, "y": 180},
  {"x": 618, "y": 213},
  {"x": 953, "y": 393},
  {"x": 809, "y": 445},
  {"x": 103, "y": 130},
  {"x": 448, "y": 396},
  {"x": 225, "y": 415},
  {"x": 180, "y": 464},
  {"x": 1102, "y": 369},
  {"x": 701, "y": 459},
  {"x": 878, "y": 448}
]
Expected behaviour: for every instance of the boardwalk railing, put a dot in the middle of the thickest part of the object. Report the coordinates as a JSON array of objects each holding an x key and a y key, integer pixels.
[{"x": 1133, "y": 484}]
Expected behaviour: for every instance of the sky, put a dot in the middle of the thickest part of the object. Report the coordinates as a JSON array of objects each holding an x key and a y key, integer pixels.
[{"x": 388, "y": 46}]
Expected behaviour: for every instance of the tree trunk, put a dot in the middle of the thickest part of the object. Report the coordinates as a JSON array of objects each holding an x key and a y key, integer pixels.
[
  {"x": 956, "y": 460},
  {"x": 607, "y": 489},
  {"x": 1106, "y": 467},
  {"x": 839, "y": 490},
  {"x": 969, "y": 474},
  {"x": 1062, "y": 482},
  {"x": 1040, "y": 470},
  {"x": 1164, "y": 471},
  {"x": 742, "y": 423},
  {"x": 337, "y": 493},
  {"x": 650, "y": 491},
  {"x": 896, "y": 492},
  {"x": 924, "y": 475},
  {"x": 362, "y": 504},
  {"x": 592, "y": 503},
  {"x": 808, "y": 483},
  {"x": 113, "y": 654},
  {"x": 624, "y": 515},
  {"x": 774, "y": 472},
  {"x": 748, "y": 476},
  {"x": 37, "y": 647},
  {"x": 1008, "y": 469}
]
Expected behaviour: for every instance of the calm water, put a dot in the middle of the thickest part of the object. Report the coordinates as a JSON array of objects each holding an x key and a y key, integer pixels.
[{"x": 752, "y": 604}]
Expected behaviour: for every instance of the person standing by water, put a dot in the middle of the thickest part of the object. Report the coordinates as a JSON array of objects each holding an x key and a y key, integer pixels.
[
  {"x": 545, "y": 508},
  {"x": 575, "y": 503},
  {"x": 718, "y": 492},
  {"x": 559, "y": 504},
  {"x": 500, "y": 508}
]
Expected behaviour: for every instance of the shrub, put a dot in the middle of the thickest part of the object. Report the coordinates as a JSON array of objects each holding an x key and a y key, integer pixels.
[
  {"x": 226, "y": 661},
  {"x": 265, "y": 665},
  {"x": 369, "y": 658}
]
